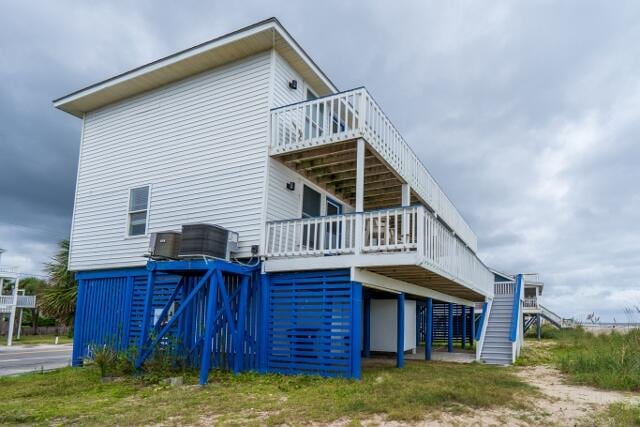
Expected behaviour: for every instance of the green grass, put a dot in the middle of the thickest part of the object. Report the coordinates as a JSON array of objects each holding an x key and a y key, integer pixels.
[
  {"x": 77, "y": 396},
  {"x": 38, "y": 339},
  {"x": 619, "y": 414},
  {"x": 610, "y": 361}
]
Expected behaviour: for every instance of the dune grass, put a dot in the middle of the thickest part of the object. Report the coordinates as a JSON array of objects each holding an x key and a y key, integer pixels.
[
  {"x": 77, "y": 396},
  {"x": 609, "y": 361},
  {"x": 619, "y": 414}
]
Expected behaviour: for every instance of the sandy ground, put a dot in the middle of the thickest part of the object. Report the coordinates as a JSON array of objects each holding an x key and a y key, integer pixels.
[{"x": 558, "y": 404}]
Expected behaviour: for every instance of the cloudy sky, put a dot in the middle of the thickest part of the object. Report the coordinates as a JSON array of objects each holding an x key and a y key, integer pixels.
[{"x": 527, "y": 113}]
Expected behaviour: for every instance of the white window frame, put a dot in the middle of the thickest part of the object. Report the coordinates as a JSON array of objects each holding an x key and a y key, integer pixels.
[{"x": 129, "y": 212}]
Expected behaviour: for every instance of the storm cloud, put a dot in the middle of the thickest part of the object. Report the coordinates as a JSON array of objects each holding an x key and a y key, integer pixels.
[{"x": 526, "y": 113}]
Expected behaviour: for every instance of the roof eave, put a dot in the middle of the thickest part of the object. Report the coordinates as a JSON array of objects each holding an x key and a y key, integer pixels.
[{"x": 66, "y": 103}]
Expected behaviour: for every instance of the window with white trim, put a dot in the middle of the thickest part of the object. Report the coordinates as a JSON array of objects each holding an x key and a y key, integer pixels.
[{"x": 138, "y": 211}]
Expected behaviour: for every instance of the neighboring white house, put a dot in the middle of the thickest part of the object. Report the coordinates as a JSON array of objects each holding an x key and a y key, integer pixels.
[
  {"x": 245, "y": 131},
  {"x": 10, "y": 304}
]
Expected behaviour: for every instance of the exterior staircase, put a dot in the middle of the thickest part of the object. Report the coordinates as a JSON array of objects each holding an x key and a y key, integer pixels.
[{"x": 498, "y": 348}]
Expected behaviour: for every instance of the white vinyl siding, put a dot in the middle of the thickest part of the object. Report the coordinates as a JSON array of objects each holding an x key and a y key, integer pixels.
[
  {"x": 287, "y": 204},
  {"x": 200, "y": 143}
]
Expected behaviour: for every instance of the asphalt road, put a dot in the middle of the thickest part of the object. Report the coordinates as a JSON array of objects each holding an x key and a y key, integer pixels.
[{"x": 28, "y": 358}]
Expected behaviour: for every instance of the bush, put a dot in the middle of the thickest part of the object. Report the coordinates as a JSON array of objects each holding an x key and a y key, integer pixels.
[{"x": 111, "y": 362}]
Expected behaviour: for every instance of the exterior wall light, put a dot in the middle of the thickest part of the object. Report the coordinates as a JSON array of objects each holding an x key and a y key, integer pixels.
[
  {"x": 293, "y": 84},
  {"x": 291, "y": 186}
]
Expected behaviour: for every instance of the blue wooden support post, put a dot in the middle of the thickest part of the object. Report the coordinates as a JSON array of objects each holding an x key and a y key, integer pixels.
[
  {"x": 78, "y": 326},
  {"x": 146, "y": 351},
  {"x": 464, "y": 326},
  {"x": 428, "y": 330},
  {"x": 238, "y": 340},
  {"x": 367, "y": 327},
  {"x": 127, "y": 314},
  {"x": 472, "y": 335},
  {"x": 400, "y": 332},
  {"x": 146, "y": 314},
  {"x": 210, "y": 320},
  {"x": 450, "y": 328},
  {"x": 263, "y": 344},
  {"x": 356, "y": 330},
  {"x": 481, "y": 321}
]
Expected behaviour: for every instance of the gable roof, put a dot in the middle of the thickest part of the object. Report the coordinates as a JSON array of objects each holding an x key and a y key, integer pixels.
[{"x": 255, "y": 38}]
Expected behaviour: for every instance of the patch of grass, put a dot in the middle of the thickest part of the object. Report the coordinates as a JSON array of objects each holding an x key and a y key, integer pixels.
[
  {"x": 38, "y": 339},
  {"x": 609, "y": 361},
  {"x": 76, "y": 395},
  {"x": 619, "y": 414}
]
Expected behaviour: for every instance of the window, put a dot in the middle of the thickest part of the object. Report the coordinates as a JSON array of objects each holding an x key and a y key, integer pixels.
[
  {"x": 138, "y": 210},
  {"x": 311, "y": 202}
]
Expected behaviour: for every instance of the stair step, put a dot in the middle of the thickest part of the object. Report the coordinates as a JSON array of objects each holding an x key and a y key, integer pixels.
[
  {"x": 499, "y": 345},
  {"x": 496, "y": 362},
  {"x": 496, "y": 355},
  {"x": 499, "y": 329},
  {"x": 497, "y": 337}
]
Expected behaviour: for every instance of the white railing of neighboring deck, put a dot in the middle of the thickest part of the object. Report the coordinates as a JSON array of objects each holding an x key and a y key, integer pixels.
[
  {"x": 24, "y": 301},
  {"x": 407, "y": 229},
  {"x": 530, "y": 302},
  {"x": 552, "y": 316},
  {"x": 354, "y": 114}
]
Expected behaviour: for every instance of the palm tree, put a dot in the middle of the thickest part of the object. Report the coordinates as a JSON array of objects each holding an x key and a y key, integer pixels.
[{"x": 59, "y": 299}]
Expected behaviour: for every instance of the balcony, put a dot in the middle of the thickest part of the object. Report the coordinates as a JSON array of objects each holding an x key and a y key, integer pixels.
[
  {"x": 405, "y": 243},
  {"x": 23, "y": 301},
  {"x": 317, "y": 139},
  {"x": 530, "y": 304}
]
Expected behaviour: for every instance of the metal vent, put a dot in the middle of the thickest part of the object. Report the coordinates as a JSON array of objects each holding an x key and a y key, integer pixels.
[
  {"x": 207, "y": 240},
  {"x": 164, "y": 244}
]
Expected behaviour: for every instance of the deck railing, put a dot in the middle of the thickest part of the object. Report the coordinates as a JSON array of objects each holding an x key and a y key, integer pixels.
[
  {"x": 407, "y": 229},
  {"x": 531, "y": 302},
  {"x": 5, "y": 269},
  {"x": 24, "y": 301},
  {"x": 552, "y": 316},
  {"x": 354, "y": 114},
  {"x": 504, "y": 288}
]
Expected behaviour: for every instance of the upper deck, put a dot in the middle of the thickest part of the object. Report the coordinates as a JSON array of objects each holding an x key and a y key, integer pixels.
[
  {"x": 301, "y": 130},
  {"x": 404, "y": 227}
]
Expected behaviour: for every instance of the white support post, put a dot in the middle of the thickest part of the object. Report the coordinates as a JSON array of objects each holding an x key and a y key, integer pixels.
[
  {"x": 420, "y": 229},
  {"x": 406, "y": 202},
  {"x": 359, "y": 195},
  {"x": 12, "y": 316},
  {"x": 406, "y": 195},
  {"x": 19, "y": 325}
]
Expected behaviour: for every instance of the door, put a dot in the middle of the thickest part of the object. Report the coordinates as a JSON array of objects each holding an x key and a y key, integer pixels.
[
  {"x": 311, "y": 208},
  {"x": 333, "y": 229}
]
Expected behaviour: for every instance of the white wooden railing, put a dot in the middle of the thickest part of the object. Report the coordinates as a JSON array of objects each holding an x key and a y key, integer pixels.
[
  {"x": 551, "y": 315},
  {"x": 408, "y": 229},
  {"x": 24, "y": 301},
  {"x": 504, "y": 288},
  {"x": 5, "y": 269},
  {"x": 531, "y": 302},
  {"x": 355, "y": 114}
]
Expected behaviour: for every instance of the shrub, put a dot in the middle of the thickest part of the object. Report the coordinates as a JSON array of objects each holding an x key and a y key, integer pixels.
[{"x": 111, "y": 362}]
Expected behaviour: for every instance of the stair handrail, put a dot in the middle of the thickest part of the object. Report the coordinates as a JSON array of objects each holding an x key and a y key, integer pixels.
[
  {"x": 486, "y": 310},
  {"x": 481, "y": 321},
  {"x": 515, "y": 313}
]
